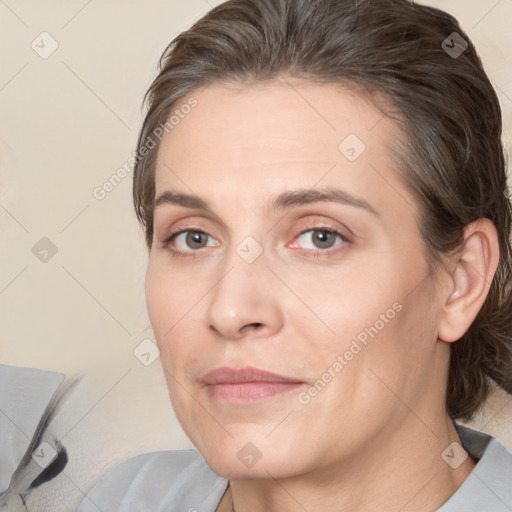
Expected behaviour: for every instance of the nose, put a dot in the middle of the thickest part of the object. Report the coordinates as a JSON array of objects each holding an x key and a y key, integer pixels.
[{"x": 245, "y": 301}]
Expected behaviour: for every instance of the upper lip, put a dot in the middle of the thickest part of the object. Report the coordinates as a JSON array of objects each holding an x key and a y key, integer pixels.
[{"x": 226, "y": 375}]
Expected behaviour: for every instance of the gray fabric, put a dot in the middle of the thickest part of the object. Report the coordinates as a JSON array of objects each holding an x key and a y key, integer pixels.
[
  {"x": 161, "y": 481},
  {"x": 180, "y": 480},
  {"x": 24, "y": 395},
  {"x": 489, "y": 486}
]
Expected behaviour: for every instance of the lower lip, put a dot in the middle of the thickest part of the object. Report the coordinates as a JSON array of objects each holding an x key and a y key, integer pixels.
[{"x": 249, "y": 392}]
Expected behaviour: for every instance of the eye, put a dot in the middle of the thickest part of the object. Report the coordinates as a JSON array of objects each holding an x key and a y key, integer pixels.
[
  {"x": 320, "y": 238},
  {"x": 187, "y": 241}
]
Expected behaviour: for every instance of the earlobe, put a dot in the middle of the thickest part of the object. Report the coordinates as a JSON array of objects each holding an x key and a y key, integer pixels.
[{"x": 470, "y": 279}]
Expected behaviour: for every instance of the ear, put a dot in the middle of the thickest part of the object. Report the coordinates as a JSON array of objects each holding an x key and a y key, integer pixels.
[{"x": 473, "y": 269}]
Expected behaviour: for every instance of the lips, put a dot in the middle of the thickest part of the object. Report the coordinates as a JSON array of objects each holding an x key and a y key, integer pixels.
[
  {"x": 246, "y": 385},
  {"x": 227, "y": 375}
]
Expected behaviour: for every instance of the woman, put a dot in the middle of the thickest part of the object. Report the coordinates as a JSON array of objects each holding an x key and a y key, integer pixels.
[{"x": 323, "y": 191}]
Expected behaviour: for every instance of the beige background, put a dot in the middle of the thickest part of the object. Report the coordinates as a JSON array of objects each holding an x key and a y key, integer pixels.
[{"x": 67, "y": 123}]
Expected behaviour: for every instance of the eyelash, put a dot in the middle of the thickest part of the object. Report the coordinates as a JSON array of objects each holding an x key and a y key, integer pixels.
[{"x": 319, "y": 253}]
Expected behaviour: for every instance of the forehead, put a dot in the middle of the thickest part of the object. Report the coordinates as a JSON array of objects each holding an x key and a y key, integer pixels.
[
  {"x": 275, "y": 135},
  {"x": 277, "y": 115}
]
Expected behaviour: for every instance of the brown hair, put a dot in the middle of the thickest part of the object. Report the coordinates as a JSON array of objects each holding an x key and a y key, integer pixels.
[{"x": 451, "y": 156}]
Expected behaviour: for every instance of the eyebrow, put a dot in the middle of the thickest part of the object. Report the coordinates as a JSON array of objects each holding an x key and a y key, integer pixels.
[{"x": 284, "y": 201}]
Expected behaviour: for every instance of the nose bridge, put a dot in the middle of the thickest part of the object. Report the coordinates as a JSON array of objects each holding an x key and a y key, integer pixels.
[{"x": 244, "y": 293}]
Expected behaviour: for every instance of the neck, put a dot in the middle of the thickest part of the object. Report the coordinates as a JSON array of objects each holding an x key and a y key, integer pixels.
[{"x": 403, "y": 471}]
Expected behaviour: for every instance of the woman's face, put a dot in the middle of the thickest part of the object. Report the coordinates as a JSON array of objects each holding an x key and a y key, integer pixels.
[{"x": 334, "y": 296}]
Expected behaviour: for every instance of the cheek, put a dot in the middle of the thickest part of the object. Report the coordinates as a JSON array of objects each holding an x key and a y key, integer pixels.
[
  {"x": 375, "y": 319},
  {"x": 346, "y": 301},
  {"x": 172, "y": 309},
  {"x": 177, "y": 304},
  {"x": 166, "y": 305},
  {"x": 159, "y": 301},
  {"x": 168, "y": 298}
]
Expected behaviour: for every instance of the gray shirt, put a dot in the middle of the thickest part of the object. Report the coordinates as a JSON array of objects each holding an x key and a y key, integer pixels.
[{"x": 181, "y": 481}]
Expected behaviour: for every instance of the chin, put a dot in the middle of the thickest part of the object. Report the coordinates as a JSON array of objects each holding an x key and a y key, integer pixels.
[
  {"x": 232, "y": 469},
  {"x": 241, "y": 459}
]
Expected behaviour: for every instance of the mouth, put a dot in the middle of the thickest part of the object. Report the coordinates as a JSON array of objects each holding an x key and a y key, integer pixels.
[{"x": 247, "y": 385}]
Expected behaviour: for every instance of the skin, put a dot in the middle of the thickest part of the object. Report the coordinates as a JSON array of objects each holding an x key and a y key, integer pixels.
[{"x": 372, "y": 438}]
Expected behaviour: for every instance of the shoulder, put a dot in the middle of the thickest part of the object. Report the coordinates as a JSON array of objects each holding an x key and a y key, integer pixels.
[
  {"x": 489, "y": 486},
  {"x": 157, "y": 481}
]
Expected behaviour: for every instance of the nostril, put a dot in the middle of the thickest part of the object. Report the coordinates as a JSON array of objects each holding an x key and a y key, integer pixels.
[{"x": 249, "y": 327}]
